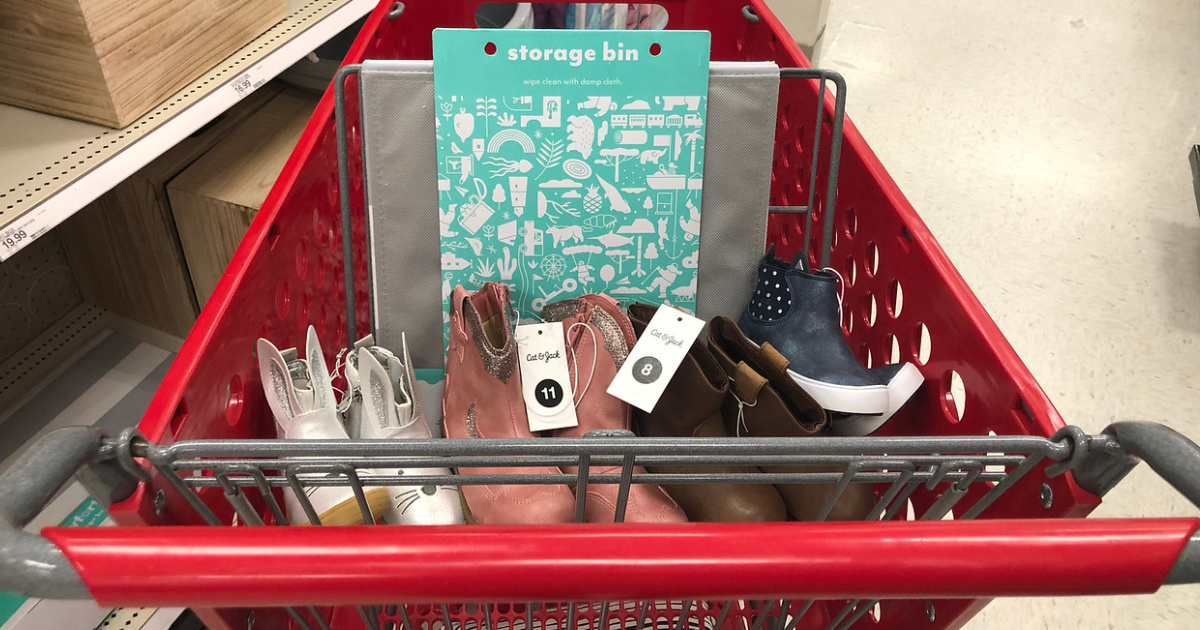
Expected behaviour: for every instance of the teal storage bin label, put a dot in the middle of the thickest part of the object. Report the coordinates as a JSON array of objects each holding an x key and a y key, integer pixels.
[{"x": 571, "y": 162}]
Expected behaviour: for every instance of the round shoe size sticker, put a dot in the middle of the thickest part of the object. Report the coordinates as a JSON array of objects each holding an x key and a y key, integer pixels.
[
  {"x": 548, "y": 393},
  {"x": 647, "y": 370}
]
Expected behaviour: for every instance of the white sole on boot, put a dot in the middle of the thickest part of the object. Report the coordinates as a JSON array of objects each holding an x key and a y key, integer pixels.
[
  {"x": 903, "y": 385},
  {"x": 852, "y": 399}
]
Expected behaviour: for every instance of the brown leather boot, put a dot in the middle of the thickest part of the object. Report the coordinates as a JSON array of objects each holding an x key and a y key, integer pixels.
[
  {"x": 691, "y": 407},
  {"x": 765, "y": 402}
]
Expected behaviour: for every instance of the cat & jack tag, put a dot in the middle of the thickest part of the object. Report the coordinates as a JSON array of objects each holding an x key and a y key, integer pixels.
[
  {"x": 655, "y": 357},
  {"x": 545, "y": 377}
]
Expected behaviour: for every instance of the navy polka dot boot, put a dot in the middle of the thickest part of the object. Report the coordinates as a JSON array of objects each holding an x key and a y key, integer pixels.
[{"x": 796, "y": 311}]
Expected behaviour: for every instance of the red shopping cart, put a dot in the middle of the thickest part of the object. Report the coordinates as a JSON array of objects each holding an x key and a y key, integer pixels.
[{"x": 965, "y": 496}]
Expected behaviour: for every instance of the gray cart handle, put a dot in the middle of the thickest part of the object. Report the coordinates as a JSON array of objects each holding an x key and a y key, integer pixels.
[{"x": 31, "y": 565}]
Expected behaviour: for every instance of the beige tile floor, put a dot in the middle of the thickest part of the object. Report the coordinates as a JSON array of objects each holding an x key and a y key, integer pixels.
[{"x": 1045, "y": 145}]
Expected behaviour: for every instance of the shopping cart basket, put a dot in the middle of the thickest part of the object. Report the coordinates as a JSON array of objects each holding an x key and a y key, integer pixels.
[{"x": 993, "y": 460}]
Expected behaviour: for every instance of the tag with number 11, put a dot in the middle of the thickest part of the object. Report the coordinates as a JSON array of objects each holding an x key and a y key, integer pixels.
[{"x": 545, "y": 377}]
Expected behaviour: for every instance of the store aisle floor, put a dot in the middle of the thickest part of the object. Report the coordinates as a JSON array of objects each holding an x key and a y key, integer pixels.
[{"x": 1045, "y": 144}]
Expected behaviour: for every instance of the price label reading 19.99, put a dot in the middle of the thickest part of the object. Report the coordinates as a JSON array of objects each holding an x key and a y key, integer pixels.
[{"x": 12, "y": 239}]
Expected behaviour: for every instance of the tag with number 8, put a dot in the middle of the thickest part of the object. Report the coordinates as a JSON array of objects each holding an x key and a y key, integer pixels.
[
  {"x": 655, "y": 357},
  {"x": 545, "y": 377}
]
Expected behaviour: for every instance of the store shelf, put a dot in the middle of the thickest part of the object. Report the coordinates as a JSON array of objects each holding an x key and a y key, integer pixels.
[
  {"x": 52, "y": 167},
  {"x": 45, "y": 355}
]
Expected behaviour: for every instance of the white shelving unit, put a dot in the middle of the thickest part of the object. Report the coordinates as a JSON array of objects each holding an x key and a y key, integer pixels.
[{"x": 52, "y": 167}]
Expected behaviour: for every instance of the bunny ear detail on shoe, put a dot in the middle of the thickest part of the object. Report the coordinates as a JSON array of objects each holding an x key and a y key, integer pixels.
[
  {"x": 387, "y": 408},
  {"x": 322, "y": 384},
  {"x": 402, "y": 381},
  {"x": 379, "y": 402},
  {"x": 277, "y": 384},
  {"x": 410, "y": 381}
]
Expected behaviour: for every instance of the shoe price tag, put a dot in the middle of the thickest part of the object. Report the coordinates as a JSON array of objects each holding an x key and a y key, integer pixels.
[
  {"x": 654, "y": 359},
  {"x": 545, "y": 377}
]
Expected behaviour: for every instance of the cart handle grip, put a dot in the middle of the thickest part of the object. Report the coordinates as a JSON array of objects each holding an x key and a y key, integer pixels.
[
  {"x": 1169, "y": 453},
  {"x": 31, "y": 565},
  {"x": 1172, "y": 455}
]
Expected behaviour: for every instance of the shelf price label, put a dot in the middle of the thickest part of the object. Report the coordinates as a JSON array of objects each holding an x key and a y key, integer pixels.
[
  {"x": 247, "y": 82},
  {"x": 12, "y": 240},
  {"x": 21, "y": 233}
]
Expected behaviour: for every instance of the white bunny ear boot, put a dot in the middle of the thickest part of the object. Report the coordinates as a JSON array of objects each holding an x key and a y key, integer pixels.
[
  {"x": 300, "y": 395},
  {"x": 391, "y": 409}
]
